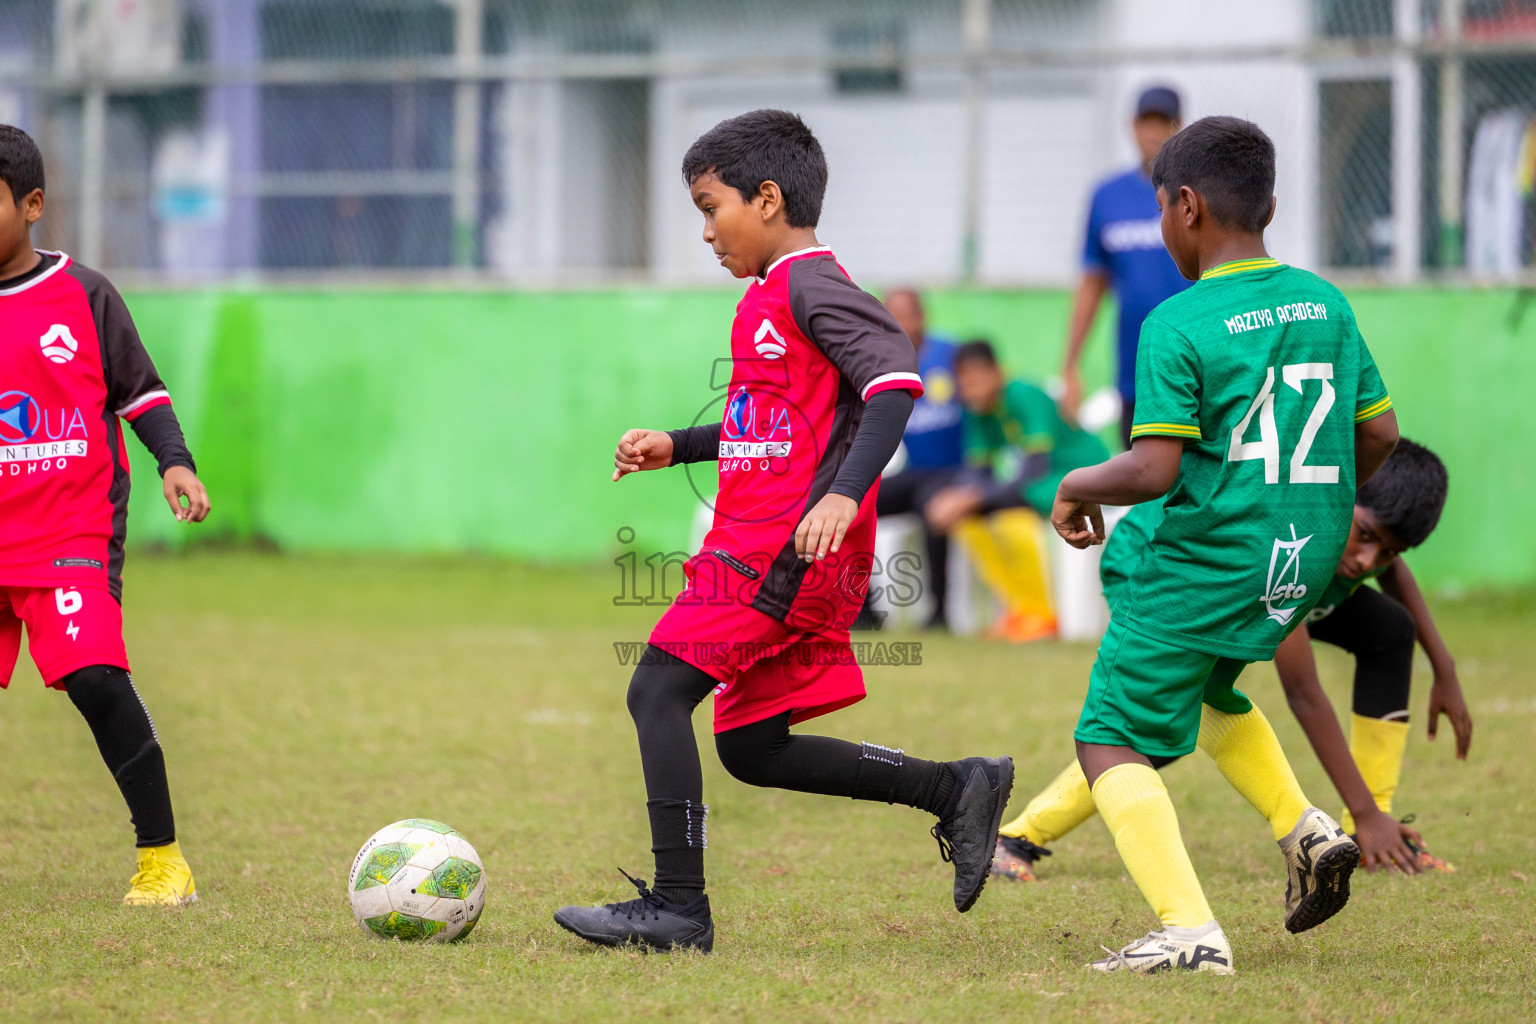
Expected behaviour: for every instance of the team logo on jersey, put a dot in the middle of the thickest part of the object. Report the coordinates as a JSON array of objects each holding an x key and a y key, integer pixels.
[
  {"x": 58, "y": 344},
  {"x": 19, "y": 417},
  {"x": 1284, "y": 582},
  {"x": 769, "y": 342}
]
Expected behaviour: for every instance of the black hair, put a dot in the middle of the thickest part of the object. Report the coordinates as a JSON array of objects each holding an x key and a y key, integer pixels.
[
  {"x": 764, "y": 145},
  {"x": 979, "y": 350},
  {"x": 21, "y": 162},
  {"x": 1229, "y": 161},
  {"x": 1407, "y": 493}
]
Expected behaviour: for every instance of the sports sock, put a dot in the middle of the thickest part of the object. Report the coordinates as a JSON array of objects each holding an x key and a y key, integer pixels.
[
  {"x": 1248, "y": 753},
  {"x": 662, "y": 695},
  {"x": 1377, "y": 745},
  {"x": 125, "y": 735},
  {"x": 1056, "y": 810},
  {"x": 1135, "y": 806},
  {"x": 767, "y": 754}
]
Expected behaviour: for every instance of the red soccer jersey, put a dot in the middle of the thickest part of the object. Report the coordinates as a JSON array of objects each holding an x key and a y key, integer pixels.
[
  {"x": 71, "y": 364},
  {"x": 808, "y": 348}
]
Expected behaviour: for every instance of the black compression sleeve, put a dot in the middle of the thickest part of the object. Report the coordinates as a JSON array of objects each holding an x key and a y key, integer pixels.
[
  {"x": 699, "y": 443},
  {"x": 160, "y": 431},
  {"x": 885, "y": 417}
]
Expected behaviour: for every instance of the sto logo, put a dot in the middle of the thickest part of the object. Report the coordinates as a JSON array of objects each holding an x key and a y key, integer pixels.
[
  {"x": 769, "y": 349},
  {"x": 19, "y": 419},
  {"x": 58, "y": 344}
]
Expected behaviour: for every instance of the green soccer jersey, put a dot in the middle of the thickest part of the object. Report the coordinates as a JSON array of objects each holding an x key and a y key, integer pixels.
[
  {"x": 1027, "y": 423},
  {"x": 1260, "y": 369},
  {"x": 1131, "y": 539}
]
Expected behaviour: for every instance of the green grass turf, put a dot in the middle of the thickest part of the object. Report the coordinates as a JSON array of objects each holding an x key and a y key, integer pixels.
[{"x": 304, "y": 703}]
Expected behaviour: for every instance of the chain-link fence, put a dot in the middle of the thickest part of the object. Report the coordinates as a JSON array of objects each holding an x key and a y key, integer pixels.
[{"x": 538, "y": 141}]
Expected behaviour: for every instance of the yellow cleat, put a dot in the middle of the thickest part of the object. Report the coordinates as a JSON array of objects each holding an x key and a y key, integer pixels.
[{"x": 163, "y": 880}]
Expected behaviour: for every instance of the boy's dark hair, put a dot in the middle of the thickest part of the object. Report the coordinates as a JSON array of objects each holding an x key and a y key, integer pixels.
[
  {"x": 21, "y": 162},
  {"x": 979, "y": 351},
  {"x": 764, "y": 145},
  {"x": 1407, "y": 493},
  {"x": 1229, "y": 161}
]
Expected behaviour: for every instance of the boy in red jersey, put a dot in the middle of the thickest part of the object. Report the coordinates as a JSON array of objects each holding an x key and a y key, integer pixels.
[
  {"x": 72, "y": 366},
  {"x": 822, "y": 383}
]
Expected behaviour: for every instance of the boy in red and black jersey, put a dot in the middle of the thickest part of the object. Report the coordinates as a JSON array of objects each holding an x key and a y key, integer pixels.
[
  {"x": 822, "y": 383},
  {"x": 71, "y": 369}
]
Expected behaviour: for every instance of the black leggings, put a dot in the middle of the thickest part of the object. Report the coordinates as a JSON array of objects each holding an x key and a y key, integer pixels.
[
  {"x": 662, "y": 696},
  {"x": 1380, "y": 633},
  {"x": 126, "y": 737}
]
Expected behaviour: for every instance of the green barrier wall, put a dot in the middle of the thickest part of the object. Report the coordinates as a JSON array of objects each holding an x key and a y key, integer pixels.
[{"x": 436, "y": 421}]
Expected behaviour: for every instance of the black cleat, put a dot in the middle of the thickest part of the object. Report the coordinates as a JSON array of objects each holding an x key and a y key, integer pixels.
[
  {"x": 649, "y": 921},
  {"x": 968, "y": 834}
]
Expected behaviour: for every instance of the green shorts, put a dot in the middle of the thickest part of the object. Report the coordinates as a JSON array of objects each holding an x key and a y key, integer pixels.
[{"x": 1146, "y": 694}]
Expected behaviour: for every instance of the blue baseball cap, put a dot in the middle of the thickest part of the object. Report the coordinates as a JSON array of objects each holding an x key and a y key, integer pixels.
[{"x": 1159, "y": 100}]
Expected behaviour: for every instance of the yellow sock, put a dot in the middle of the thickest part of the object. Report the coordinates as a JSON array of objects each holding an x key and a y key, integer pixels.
[
  {"x": 1135, "y": 806},
  {"x": 1056, "y": 810},
  {"x": 1248, "y": 753},
  {"x": 1377, "y": 745}
]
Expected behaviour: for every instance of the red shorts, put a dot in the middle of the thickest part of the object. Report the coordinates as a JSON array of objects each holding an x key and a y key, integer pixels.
[
  {"x": 68, "y": 628},
  {"x": 765, "y": 666}
]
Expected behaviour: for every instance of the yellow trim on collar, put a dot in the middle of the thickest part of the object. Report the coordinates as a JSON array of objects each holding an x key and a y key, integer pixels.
[{"x": 1240, "y": 266}]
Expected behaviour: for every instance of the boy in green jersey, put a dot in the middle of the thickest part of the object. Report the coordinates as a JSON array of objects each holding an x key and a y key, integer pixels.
[
  {"x": 1258, "y": 411},
  {"x": 1396, "y": 510}
]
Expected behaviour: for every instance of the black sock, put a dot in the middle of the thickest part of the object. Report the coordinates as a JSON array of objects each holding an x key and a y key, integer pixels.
[
  {"x": 662, "y": 695},
  {"x": 126, "y": 737},
  {"x": 766, "y": 753}
]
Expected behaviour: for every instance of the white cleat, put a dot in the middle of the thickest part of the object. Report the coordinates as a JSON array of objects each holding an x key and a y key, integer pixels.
[
  {"x": 1319, "y": 858},
  {"x": 1184, "y": 949}
]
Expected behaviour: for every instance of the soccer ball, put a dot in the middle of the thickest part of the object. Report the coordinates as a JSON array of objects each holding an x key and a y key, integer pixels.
[{"x": 417, "y": 879}]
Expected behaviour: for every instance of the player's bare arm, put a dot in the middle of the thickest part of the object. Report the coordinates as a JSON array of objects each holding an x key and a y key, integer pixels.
[
  {"x": 1374, "y": 441},
  {"x": 180, "y": 482},
  {"x": 1445, "y": 696},
  {"x": 821, "y": 531},
  {"x": 1380, "y": 837},
  {"x": 1145, "y": 472},
  {"x": 642, "y": 449}
]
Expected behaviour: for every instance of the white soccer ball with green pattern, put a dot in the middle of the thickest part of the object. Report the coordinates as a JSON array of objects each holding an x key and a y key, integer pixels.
[{"x": 417, "y": 879}]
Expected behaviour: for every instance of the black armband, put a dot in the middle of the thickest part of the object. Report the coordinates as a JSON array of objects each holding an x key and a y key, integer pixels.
[{"x": 699, "y": 443}]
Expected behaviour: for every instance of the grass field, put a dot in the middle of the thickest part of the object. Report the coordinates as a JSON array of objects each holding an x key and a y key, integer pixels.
[{"x": 305, "y": 703}]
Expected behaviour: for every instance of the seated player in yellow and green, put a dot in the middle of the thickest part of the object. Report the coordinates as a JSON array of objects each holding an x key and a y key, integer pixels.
[
  {"x": 1017, "y": 449},
  {"x": 1258, "y": 409},
  {"x": 1395, "y": 511}
]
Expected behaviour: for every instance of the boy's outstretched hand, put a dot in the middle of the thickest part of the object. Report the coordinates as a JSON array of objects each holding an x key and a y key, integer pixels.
[
  {"x": 642, "y": 449},
  {"x": 1080, "y": 523},
  {"x": 824, "y": 525},
  {"x": 180, "y": 482},
  {"x": 1383, "y": 844},
  {"x": 1445, "y": 699}
]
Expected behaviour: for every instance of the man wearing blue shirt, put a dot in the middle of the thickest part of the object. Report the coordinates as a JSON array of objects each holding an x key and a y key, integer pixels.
[
  {"x": 933, "y": 440},
  {"x": 1123, "y": 250}
]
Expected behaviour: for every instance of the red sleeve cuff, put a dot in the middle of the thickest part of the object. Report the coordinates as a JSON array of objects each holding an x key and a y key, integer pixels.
[
  {"x": 892, "y": 381},
  {"x": 145, "y": 402}
]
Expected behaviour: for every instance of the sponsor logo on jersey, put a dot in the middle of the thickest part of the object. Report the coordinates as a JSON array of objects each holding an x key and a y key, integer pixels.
[
  {"x": 19, "y": 417},
  {"x": 750, "y": 431},
  {"x": 1284, "y": 583},
  {"x": 58, "y": 344},
  {"x": 31, "y": 434},
  {"x": 769, "y": 342}
]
